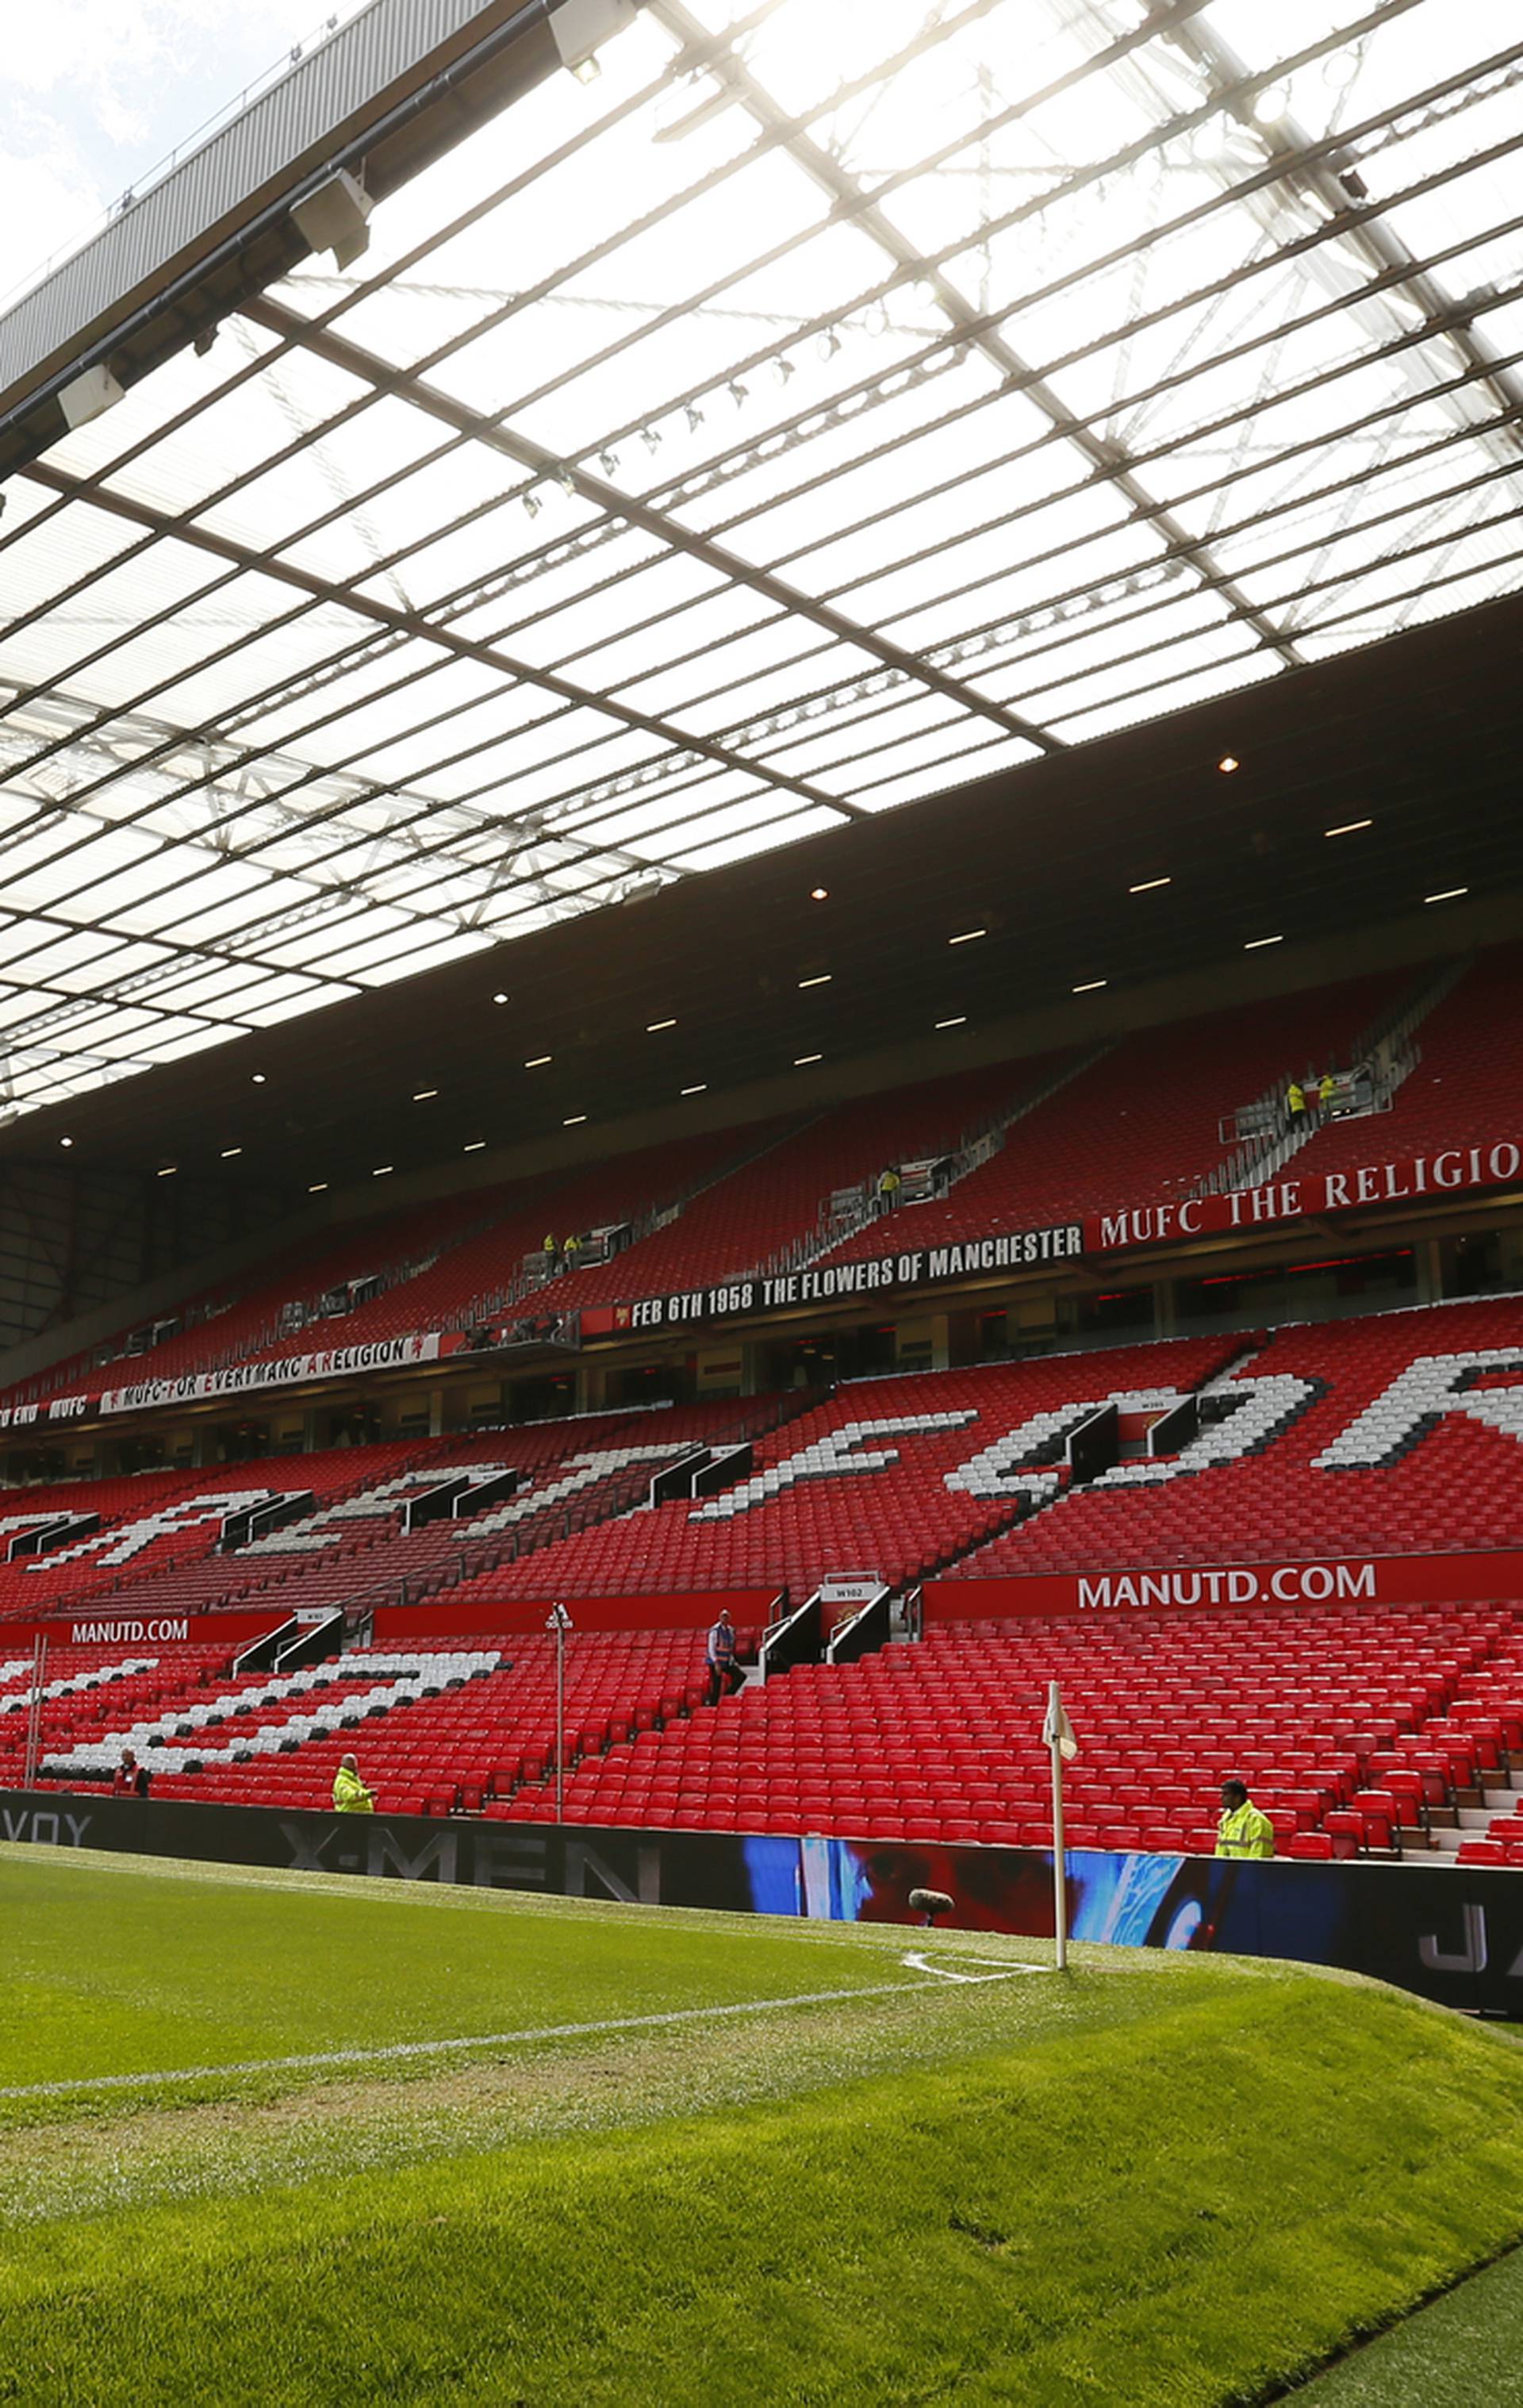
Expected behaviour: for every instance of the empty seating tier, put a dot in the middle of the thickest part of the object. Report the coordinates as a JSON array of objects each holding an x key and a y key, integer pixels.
[
  {"x": 876, "y": 1480},
  {"x": 1328, "y": 1713},
  {"x": 1141, "y": 1123},
  {"x": 1394, "y": 1434}
]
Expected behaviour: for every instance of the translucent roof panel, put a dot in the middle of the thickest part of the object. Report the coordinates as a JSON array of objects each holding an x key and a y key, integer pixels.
[{"x": 819, "y": 410}]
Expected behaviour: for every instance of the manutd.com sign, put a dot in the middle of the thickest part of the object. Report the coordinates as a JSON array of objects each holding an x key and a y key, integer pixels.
[{"x": 1369, "y": 1580}]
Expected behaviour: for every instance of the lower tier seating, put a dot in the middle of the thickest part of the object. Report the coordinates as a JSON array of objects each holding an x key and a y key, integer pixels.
[
  {"x": 444, "y": 1724},
  {"x": 1352, "y": 1727},
  {"x": 89, "y": 1691},
  {"x": 1358, "y": 1728}
]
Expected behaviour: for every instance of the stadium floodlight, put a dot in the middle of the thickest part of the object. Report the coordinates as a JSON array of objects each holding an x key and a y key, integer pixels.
[{"x": 336, "y": 217}]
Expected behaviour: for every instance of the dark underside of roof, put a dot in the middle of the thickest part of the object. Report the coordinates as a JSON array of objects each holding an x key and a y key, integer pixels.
[{"x": 1419, "y": 734}]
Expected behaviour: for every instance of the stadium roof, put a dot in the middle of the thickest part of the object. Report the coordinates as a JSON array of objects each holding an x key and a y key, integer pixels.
[
  {"x": 1373, "y": 819},
  {"x": 824, "y": 407}
]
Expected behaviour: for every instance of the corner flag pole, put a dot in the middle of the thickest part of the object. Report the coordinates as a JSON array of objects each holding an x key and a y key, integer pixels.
[
  {"x": 33, "y": 1713},
  {"x": 560, "y": 1622},
  {"x": 1054, "y": 1731}
]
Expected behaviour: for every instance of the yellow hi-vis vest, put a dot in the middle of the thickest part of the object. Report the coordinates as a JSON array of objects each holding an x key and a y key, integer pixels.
[
  {"x": 351, "y": 1796},
  {"x": 1245, "y": 1833}
]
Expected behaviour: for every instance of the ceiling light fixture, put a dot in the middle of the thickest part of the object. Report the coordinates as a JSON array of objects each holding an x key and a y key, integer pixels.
[
  {"x": 258, "y": 1078},
  {"x": 475, "y": 1145},
  {"x": 801, "y": 1061},
  {"x": 701, "y": 1089},
  {"x": 499, "y": 998},
  {"x": 1089, "y": 986},
  {"x": 574, "y": 1120},
  {"x": 383, "y": 1170},
  {"x": 1146, "y": 885},
  {"x": 1349, "y": 828},
  {"x": 320, "y": 1188},
  {"x": 968, "y": 937},
  {"x": 231, "y": 1151},
  {"x": 1255, "y": 943},
  {"x": 960, "y": 1022},
  {"x": 1228, "y": 763},
  {"x": 168, "y": 1171},
  {"x": 821, "y": 978},
  {"x": 66, "y": 1140},
  {"x": 1446, "y": 895},
  {"x": 654, "y": 1028},
  {"x": 424, "y": 1095},
  {"x": 540, "y": 1062},
  {"x": 819, "y": 893}
]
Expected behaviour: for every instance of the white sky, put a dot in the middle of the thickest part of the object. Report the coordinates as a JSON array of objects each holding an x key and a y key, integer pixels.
[{"x": 96, "y": 92}]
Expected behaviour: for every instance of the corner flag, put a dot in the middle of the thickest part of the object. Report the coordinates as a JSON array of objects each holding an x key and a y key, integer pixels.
[
  {"x": 1057, "y": 1736},
  {"x": 1057, "y": 1726}
]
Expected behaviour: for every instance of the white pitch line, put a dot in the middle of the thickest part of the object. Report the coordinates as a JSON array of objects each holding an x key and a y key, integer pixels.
[
  {"x": 410, "y": 2048},
  {"x": 943, "y": 1974}
]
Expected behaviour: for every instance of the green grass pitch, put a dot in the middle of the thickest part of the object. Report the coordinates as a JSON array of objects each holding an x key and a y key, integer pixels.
[{"x": 288, "y": 2139}]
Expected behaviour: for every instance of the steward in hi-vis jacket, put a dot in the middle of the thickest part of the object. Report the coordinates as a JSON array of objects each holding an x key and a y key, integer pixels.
[
  {"x": 1243, "y": 1830},
  {"x": 351, "y": 1796}
]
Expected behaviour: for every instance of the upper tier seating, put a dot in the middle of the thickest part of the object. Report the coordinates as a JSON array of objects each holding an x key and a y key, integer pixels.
[
  {"x": 1466, "y": 1086},
  {"x": 245, "y": 1318},
  {"x": 1143, "y": 1123},
  {"x": 859, "y": 1483},
  {"x": 1436, "y": 1467},
  {"x": 776, "y": 1199},
  {"x": 572, "y": 1473},
  {"x": 1140, "y": 1124},
  {"x": 127, "y": 1492},
  {"x": 943, "y": 1741},
  {"x": 482, "y": 1267}
]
